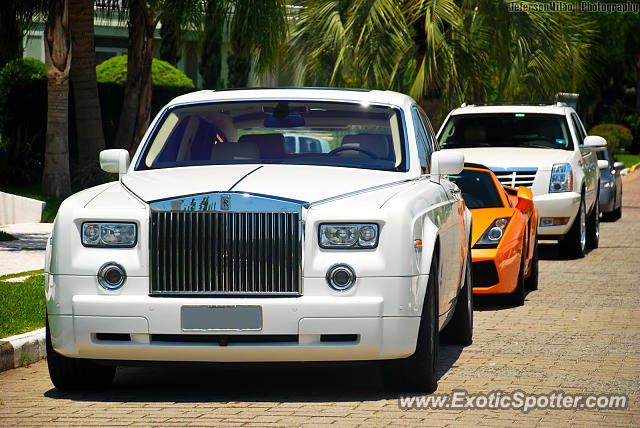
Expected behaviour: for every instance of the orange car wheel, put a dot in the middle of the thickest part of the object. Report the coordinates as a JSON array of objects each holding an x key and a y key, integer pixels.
[{"x": 517, "y": 297}]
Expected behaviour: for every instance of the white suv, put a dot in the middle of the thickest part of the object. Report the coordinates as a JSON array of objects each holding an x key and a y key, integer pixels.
[{"x": 545, "y": 148}]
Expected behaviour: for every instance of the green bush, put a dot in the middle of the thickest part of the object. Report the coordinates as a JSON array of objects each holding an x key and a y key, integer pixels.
[
  {"x": 23, "y": 120},
  {"x": 114, "y": 70},
  {"x": 618, "y": 137}
]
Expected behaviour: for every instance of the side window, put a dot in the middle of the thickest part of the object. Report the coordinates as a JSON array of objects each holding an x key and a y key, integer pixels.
[
  {"x": 433, "y": 141},
  {"x": 580, "y": 134},
  {"x": 424, "y": 151}
]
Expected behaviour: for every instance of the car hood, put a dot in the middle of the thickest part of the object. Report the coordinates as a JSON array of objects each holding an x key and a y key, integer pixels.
[
  {"x": 516, "y": 157},
  {"x": 299, "y": 182}
]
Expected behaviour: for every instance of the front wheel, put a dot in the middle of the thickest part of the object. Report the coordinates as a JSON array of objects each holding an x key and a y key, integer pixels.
[
  {"x": 75, "y": 373},
  {"x": 593, "y": 226},
  {"x": 518, "y": 295},
  {"x": 417, "y": 373},
  {"x": 531, "y": 283},
  {"x": 574, "y": 243}
]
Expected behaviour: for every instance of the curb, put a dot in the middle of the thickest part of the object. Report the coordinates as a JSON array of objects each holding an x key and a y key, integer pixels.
[{"x": 22, "y": 349}]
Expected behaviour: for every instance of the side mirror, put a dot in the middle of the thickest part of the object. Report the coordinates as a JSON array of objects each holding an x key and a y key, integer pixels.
[
  {"x": 445, "y": 162},
  {"x": 618, "y": 165},
  {"x": 525, "y": 198},
  {"x": 603, "y": 164},
  {"x": 594, "y": 141},
  {"x": 115, "y": 161}
]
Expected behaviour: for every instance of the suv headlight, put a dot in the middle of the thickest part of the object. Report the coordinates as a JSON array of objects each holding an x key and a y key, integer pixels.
[
  {"x": 109, "y": 234},
  {"x": 561, "y": 178},
  {"x": 360, "y": 235},
  {"x": 494, "y": 233}
]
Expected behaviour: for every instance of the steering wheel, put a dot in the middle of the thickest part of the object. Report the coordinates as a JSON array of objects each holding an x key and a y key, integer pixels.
[{"x": 355, "y": 149}]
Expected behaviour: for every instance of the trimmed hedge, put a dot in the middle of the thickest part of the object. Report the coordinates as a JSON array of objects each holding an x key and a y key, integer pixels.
[
  {"x": 114, "y": 70},
  {"x": 23, "y": 120},
  {"x": 619, "y": 137},
  {"x": 168, "y": 83}
]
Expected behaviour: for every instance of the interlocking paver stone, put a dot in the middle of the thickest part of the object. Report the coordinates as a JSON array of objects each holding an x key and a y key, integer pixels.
[{"x": 579, "y": 333}]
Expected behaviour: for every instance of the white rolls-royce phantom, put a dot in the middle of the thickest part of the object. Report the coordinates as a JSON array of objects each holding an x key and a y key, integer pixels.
[{"x": 217, "y": 244}]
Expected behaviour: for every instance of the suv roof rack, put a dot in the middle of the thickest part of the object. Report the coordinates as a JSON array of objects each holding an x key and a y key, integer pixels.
[
  {"x": 507, "y": 103},
  {"x": 562, "y": 99}
]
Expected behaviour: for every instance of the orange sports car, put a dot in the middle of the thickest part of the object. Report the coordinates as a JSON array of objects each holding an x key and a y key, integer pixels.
[{"x": 504, "y": 250}]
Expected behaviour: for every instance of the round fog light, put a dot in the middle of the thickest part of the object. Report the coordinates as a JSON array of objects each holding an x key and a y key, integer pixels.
[
  {"x": 111, "y": 275},
  {"x": 341, "y": 277}
]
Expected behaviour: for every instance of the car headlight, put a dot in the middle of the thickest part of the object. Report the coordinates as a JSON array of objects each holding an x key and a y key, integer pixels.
[
  {"x": 360, "y": 235},
  {"x": 494, "y": 233},
  {"x": 561, "y": 178},
  {"x": 109, "y": 234}
]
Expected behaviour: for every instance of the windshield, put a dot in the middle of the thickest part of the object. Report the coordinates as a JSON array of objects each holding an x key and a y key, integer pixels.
[
  {"x": 478, "y": 189},
  {"x": 506, "y": 130},
  {"x": 283, "y": 132}
]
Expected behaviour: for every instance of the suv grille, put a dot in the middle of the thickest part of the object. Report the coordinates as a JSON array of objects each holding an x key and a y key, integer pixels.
[
  {"x": 217, "y": 253},
  {"x": 516, "y": 177}
]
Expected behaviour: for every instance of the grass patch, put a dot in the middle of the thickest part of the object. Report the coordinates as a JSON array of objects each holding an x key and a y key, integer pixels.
[
  {"x": 628, "y": 159},
  {"x": 18, "y": 275},
  {"x": 23, "y": 305},
  {"x": 4, "y": 236},
  {"x": 33, "y": 192}
]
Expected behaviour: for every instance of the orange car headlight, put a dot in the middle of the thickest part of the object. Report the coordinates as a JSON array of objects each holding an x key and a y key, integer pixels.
[{"x": 494, "y": 233}]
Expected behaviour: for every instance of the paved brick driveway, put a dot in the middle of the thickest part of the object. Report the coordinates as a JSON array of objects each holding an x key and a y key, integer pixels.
[{"x": 580, "y": 333}]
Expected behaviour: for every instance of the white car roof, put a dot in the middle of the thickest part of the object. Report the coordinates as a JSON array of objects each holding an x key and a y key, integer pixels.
[
  {"x": 330, "y": 94},
  {"x": 548, "y": 109}
]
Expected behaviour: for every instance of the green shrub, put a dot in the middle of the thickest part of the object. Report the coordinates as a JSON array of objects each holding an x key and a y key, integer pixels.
[
  {"x": 23, "y": 120},
  {"x": 114, "y": 70},
  {"x": 618, "y": 137}
]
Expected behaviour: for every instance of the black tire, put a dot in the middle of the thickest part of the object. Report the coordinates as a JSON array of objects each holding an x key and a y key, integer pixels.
[
  {"x": 517, "y": 296},
  {"x": 593, "y": 226},
  {"x": 574, "y": 243},
  {"x": 417, "y": 373},
  {"x": 459, "y": 330},
  {"x": 616, "y": 214},
  {"x": 531, "y": 283},
  {"x": 75, "y": 373}
]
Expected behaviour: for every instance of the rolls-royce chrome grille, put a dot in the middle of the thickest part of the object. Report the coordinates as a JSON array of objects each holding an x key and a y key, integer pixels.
[
  {"x": 516, "y": 177},
  {"x": 218, "y": 253}
]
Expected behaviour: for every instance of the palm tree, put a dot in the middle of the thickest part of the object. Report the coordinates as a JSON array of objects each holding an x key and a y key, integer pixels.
[
  {"x": 454, "y": 50},
  {"x": 56, "y": 180},
  {"x": 83, "y": 78},
  {"x": 258, "y": 30}
]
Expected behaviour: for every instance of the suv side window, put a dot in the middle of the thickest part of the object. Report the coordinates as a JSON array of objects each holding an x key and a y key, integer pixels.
[
  {"x": 424, "y": 149},
  {"x": 577, "y": 125}
]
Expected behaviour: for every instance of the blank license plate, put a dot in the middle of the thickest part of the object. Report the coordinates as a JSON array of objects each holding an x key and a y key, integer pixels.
[{"x": 221, "y": 318}]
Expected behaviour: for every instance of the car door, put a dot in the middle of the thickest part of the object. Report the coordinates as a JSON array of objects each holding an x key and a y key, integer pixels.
[
  {"x": 451, "y": 231},
  {"x": 589, "y": 163}
]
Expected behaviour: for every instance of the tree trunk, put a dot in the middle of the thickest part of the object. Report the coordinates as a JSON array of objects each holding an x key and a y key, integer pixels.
[
  {"x": 56, "y": 179},
  {"x": 638, "y": 83},
  {"x": 136, "y": 107},
  {"x": 11, "y": 40},
  {"x": 85, "y": 86}
]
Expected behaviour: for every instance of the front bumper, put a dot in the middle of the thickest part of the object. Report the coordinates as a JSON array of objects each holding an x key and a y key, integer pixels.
[
  {"x": 565, "y": 204},
  {"x": 380, "y": 318},
  {"x": 495, "y": 270}
]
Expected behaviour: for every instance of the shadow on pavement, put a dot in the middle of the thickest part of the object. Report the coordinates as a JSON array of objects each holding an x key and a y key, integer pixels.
[{"x": 272, "y": 382}]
